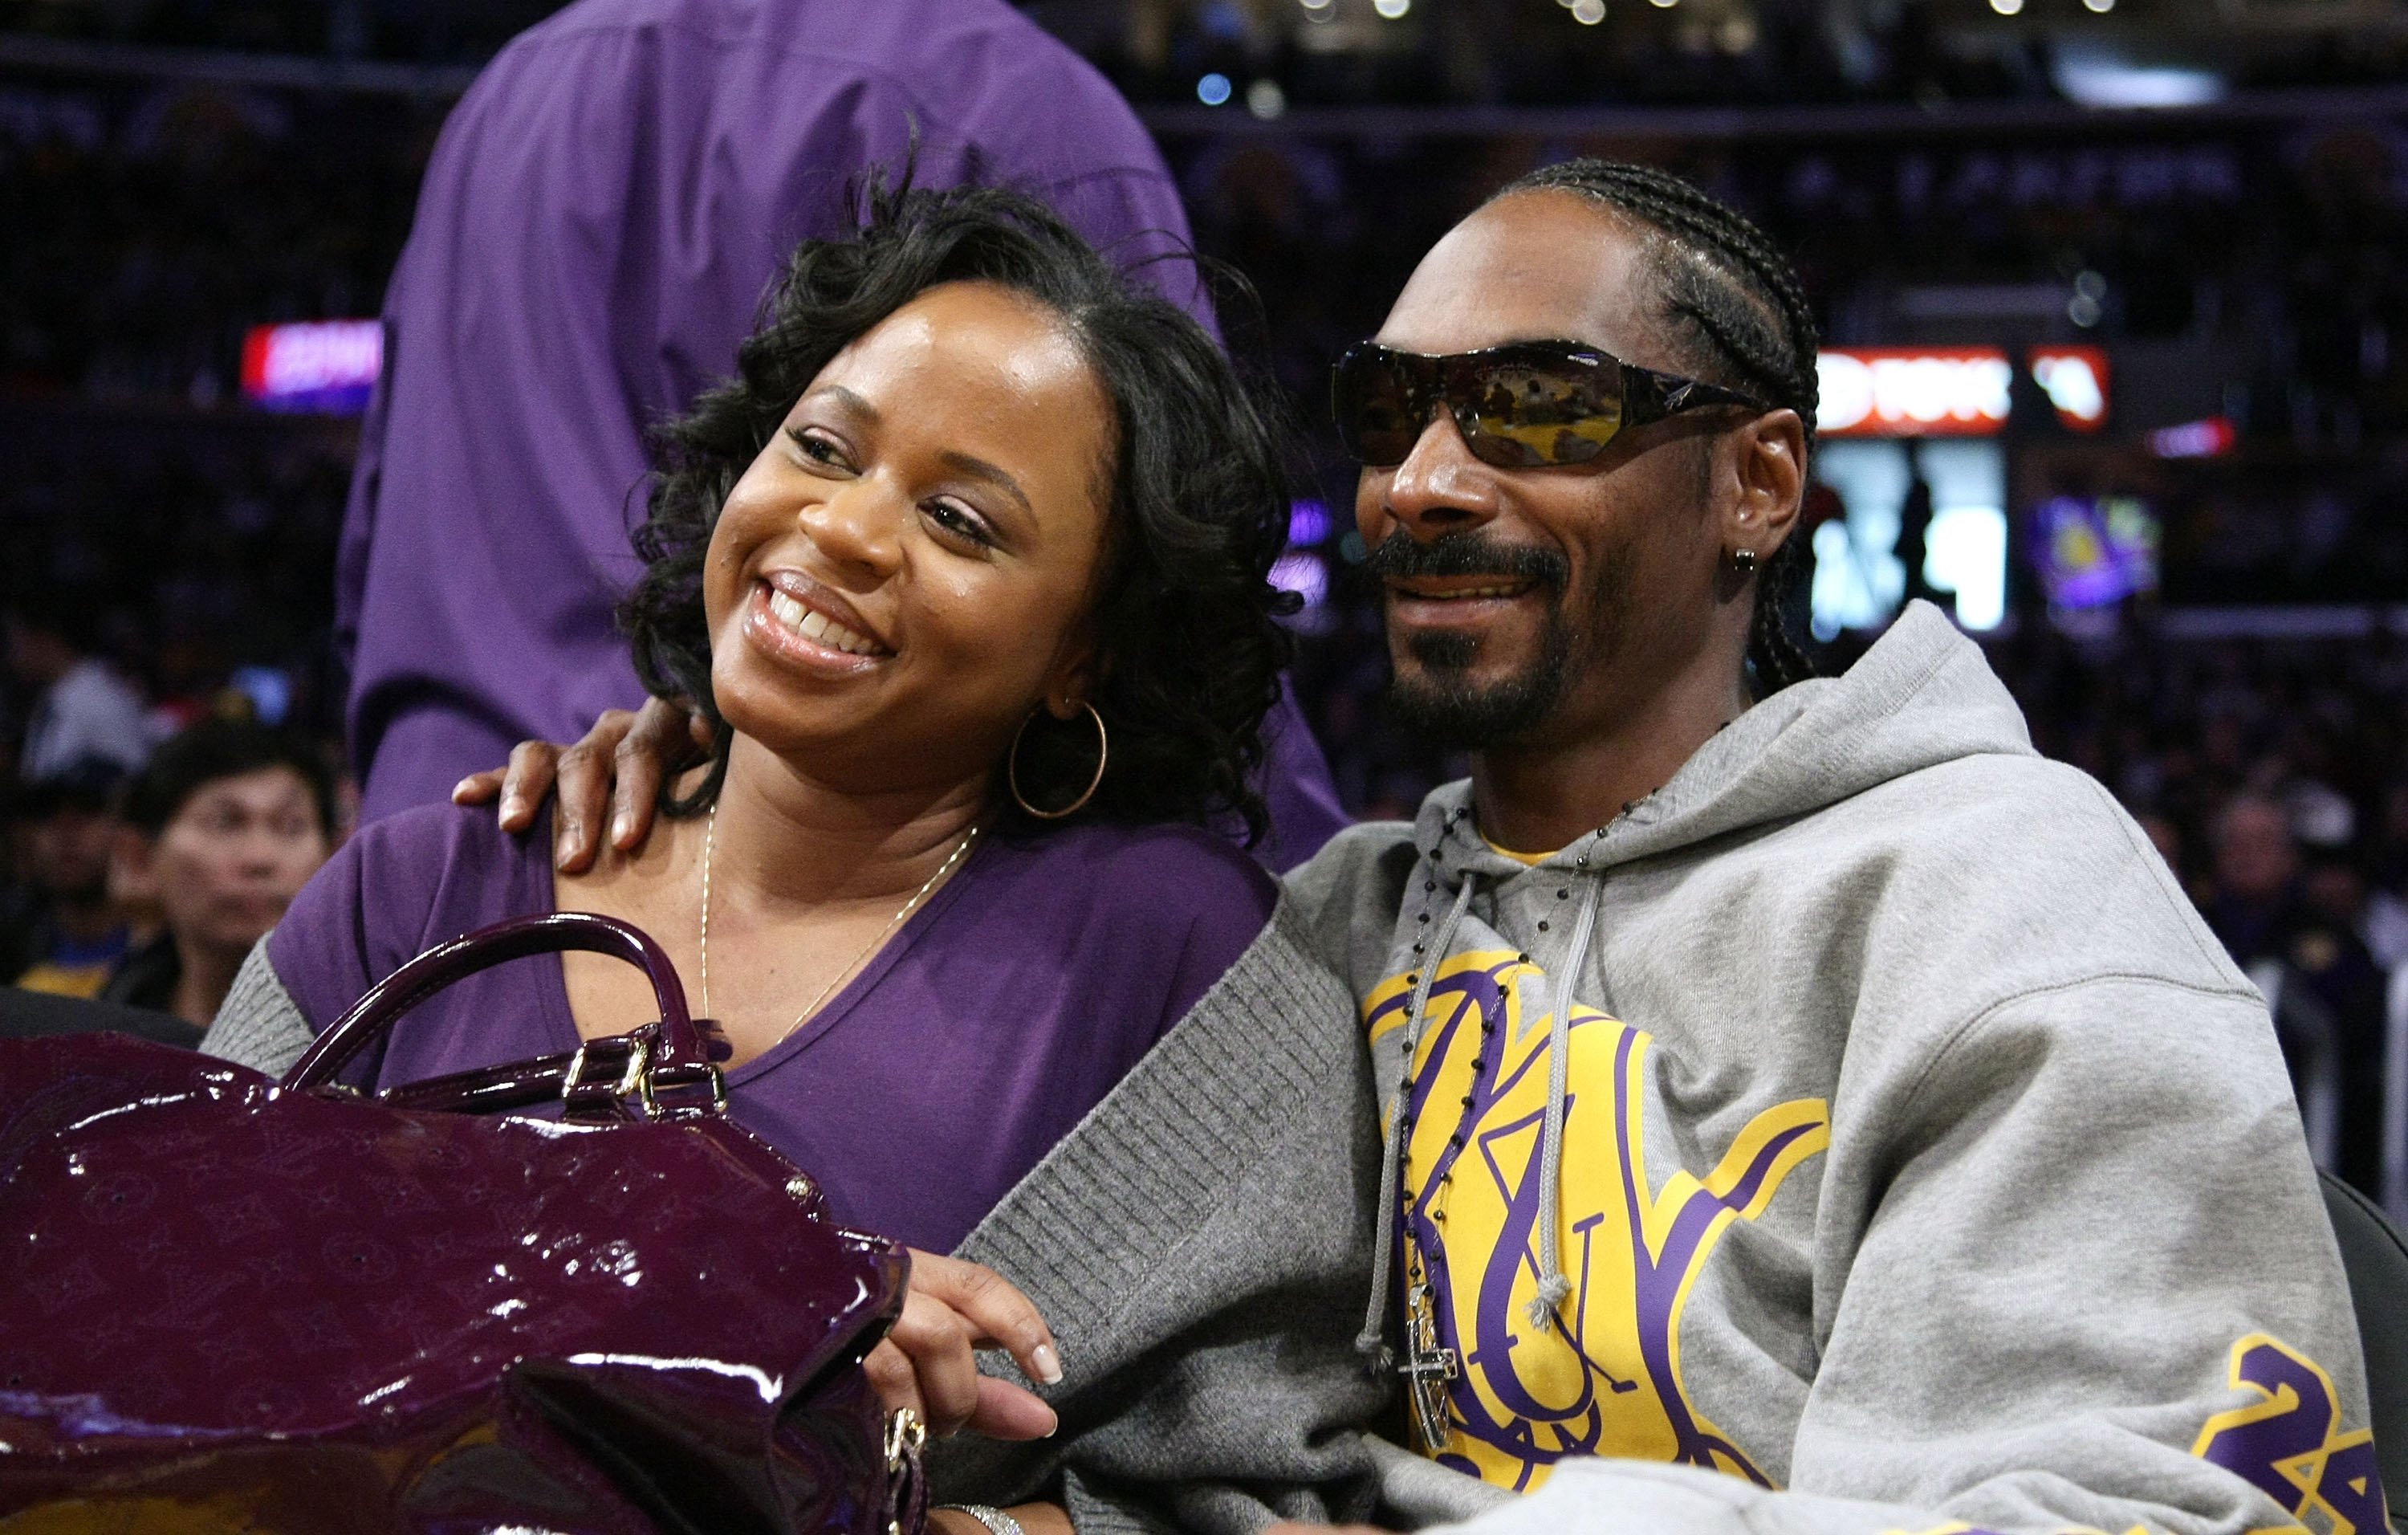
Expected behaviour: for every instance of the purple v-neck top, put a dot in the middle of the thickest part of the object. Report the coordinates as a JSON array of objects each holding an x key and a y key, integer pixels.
[{"x": 992, "y": 1022}]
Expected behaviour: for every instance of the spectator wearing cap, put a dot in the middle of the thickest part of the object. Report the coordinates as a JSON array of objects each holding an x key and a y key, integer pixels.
[
  {"x": 72, "y": 931},
  {"x": 84, "y": 710},
  {"x": 224, "y": 828}
]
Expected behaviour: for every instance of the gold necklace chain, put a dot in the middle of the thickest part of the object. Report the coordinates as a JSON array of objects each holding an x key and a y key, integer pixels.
[{"x": 710, "y": 850}]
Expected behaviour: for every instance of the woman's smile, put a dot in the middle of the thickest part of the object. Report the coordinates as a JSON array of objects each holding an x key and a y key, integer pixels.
[{"x": 798, "y": 620}]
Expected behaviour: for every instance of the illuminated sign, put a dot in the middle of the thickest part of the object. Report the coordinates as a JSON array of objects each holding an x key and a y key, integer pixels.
[
  {"x": 2210, "y": 438},
  {"x": 326, "y": 365},
  {"x": 1912, "y": 391},
  {"x": 2095, "y": 551},
  {"x": 2075, "y": 381}
]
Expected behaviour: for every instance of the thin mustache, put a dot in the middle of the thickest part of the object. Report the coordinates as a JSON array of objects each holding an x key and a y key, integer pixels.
[{"x": 1401, "y": 556}]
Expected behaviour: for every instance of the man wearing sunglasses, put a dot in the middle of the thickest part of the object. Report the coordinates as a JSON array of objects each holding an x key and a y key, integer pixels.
[
  {"x": 1787, "y": 1083},
  {"x": 1793, "y": 1105}
]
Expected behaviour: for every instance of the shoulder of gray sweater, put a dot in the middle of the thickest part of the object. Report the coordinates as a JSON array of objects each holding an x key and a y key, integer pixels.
[
  {"x": 1258, "y": 1049},
  {"x": 1200, "y": 1244},
  {"x": 259, "y": 1024},
  {"x": 2024, "y": 842}
]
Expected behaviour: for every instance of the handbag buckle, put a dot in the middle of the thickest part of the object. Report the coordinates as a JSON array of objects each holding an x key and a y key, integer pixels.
[
  {"x": 649, "y": 1084},
  {"x": 905, "y": 1437},
  {"x": 585, "y": 1095}
]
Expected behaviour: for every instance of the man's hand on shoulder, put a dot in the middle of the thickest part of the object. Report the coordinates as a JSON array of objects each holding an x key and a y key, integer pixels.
[{"x": 614, "y": 773}]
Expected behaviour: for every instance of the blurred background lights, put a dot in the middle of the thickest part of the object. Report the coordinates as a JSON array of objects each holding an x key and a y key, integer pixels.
[
  {"x": 1664, "y": 5},
  {"x": 1266, "y": 100},
  {"x": 2089, "y": 301},
  {"x": 1308, "y": 522},
  {"x": 1213, "y": 89},
  {"x": 1588, "y": 13},
  {"x": 1391, "y": 9},
  {"x": 2099, "y": 7},
  {"x": 2007, "y": 7}
]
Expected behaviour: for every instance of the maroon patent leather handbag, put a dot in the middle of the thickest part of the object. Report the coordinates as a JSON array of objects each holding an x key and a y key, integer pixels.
[{"x": 228, "y": 1303}]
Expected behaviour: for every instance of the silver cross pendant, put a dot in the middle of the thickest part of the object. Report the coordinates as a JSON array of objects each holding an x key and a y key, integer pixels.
[{"x": 1426, "y": 1370}]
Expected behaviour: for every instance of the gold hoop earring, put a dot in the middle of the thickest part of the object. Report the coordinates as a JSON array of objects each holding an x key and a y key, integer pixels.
[{"x": 1103, "y": 755}]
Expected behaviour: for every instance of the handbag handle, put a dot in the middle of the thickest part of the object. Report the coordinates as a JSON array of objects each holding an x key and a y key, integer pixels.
[{"x": 676, "y": 1059}]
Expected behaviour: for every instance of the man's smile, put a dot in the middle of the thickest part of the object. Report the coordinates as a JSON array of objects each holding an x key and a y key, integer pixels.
[
  {"x": 1461, "y": 582},
  {"x": 1456, "y": 588}
]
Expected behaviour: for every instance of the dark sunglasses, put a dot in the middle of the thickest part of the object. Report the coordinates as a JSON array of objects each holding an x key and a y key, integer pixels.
[{"x": 1520, "y": 406}]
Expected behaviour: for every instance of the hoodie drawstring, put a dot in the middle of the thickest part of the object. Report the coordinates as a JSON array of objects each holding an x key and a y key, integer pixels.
[
  {"x": 1373, "y": 1340},
  {"x": 1554, "y": 1284}
]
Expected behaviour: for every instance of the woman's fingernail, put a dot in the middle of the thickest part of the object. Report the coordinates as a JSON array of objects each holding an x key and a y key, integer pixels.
[
  {"x": 512, "y": 806},
  {"x": 462, "y": 787},
  {"x": 621, "y": 828},
  {"x": 1048, "y": 1363}
]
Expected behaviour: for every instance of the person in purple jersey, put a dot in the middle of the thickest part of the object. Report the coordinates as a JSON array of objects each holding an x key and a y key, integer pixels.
[
  {"x": 968, "y": 570},
  {"x": 598, "y": 220}
]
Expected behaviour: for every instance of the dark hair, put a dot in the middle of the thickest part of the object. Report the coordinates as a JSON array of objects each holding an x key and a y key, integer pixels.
[
  {"x": 1188, "y": 652},
  {"x": 1739, "y": 301},
  {"x": 88, "y": 784},
  {"x": 201, "y": 755},
  {"x": 70, "y": 612}
]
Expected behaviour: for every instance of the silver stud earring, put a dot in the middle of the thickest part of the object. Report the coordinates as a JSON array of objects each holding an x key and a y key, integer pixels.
[{"x": 1743, "y": 561}]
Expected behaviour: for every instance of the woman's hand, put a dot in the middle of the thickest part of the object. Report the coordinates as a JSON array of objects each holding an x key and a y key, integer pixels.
[
  {"x": 927, "y": 1361},
  {"x": 617, "y": 768}
]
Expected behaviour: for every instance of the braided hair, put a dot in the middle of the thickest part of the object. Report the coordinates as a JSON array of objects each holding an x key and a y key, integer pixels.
[{"x": 1738, "y": 300}]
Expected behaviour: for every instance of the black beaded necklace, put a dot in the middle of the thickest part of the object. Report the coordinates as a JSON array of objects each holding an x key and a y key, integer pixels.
[{"x": 1429, "y": 1366}]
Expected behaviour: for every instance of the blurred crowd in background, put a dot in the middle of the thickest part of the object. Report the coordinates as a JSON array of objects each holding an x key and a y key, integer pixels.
[
  {"x": 1482, "y": 51},
  {"x": 170, "y": 547}
]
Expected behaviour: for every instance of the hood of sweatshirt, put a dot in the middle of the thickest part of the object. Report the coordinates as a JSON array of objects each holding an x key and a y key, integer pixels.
[{"x": 1923, "y": 695}]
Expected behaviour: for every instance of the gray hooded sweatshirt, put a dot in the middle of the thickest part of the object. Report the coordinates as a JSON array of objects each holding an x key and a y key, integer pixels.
[{"x": 1914, "y": 1156}]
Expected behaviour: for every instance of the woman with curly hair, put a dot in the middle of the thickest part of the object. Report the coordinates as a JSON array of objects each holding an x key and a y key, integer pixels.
[{"x": 967, "y": 571}]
